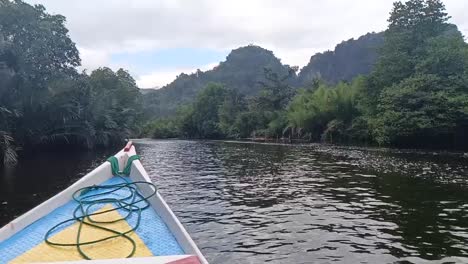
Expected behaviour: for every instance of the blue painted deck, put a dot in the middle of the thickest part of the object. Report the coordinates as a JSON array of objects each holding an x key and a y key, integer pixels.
[{"x": 152, "y": 230}]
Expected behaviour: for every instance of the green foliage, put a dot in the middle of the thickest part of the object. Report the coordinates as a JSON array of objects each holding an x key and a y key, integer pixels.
[
  {"x": 44, "y": 101},
  {"x": 201, "y": 120},
  {"x": 37, "y": 42},
  {"x": 219, "y": 112},
  {"x": 276, "y": 92},
  {"x": 420, "y": 109},
  {"x": 413, "y": 28},
  {"x": 234, "y": 104},
  {"x": 243, "y": 70},
  {"x": 445, "y": 56},
  {"x": 247, "y": 123},
  {"x": 416, "y": 96},
  {"x": 276, "y": 126},
  {"x": 115, "y": 105},
  {"x": 161, "y": 128},
  {"x": 418, "y": 80},
  {"x": 348, "y": 60},
  {"x": 326, "y": 111},
  {"x": 268, "y": 108}
]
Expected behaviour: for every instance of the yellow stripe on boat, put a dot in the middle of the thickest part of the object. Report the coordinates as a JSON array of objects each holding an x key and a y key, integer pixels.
[
  {"x": 160, "y": 237},
  {"x": 112, "y": 248}
]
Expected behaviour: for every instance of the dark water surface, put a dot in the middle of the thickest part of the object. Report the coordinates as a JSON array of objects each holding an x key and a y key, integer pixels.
[
  {"x": 36, "y": 179},
  {"x": 256, "y": 203}
]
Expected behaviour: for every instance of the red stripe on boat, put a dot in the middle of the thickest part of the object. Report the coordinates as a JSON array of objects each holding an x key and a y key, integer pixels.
[
  {"x": 187, "y": 260},
  {"x": 128, "y": 146}
]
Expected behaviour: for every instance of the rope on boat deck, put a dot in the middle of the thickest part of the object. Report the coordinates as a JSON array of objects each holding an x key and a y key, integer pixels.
[{"x": 133, "y": 202}]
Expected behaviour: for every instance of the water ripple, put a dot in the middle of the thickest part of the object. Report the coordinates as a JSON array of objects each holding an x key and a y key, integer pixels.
[{"x": 256, "y": 203}]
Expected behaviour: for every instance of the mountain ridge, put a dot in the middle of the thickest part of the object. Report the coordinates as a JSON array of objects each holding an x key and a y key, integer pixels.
[{"x": 243, "y": 70}]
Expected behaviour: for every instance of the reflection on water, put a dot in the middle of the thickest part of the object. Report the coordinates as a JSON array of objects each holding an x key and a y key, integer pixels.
[
  {"x": 37, "y": 178},
  {"x": 255, "y": 203}
]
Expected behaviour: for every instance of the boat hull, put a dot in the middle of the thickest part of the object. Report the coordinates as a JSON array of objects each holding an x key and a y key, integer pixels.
[{"x": 189, "y": 252}]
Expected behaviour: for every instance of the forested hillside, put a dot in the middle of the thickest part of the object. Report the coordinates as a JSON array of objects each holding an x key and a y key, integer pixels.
[
  {"x": 243, "y": 70},
  {"x": 416, "y": 95},
  {"x": 405, "y": 87},
  {"x": 349, "y": 59}
]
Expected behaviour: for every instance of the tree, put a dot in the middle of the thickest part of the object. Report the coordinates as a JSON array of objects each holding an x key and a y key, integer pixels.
[
  {"x": 445, "y": 56},
  {"x": 348, "y": 60},
  {"x": 243, "y": 70},
  {"x": 268, "y": 106},
  {"x": 34, "y": 48},
  {"x": 201, "y": 120},
  {"x": 412, "y": 26},
  {"x": 234, "y": 104},
  {"x": 421, "y": 110},
  {"x": 326, "y": 113},
  {"x": 417, "y": 80},
  {"x": 44, "y": 101},
  {"x": 161, "y": 128},
  {"x": 276, "y": 92},
  {"x": 115, "y": 106},
  {"x": 37, "y": 41}
]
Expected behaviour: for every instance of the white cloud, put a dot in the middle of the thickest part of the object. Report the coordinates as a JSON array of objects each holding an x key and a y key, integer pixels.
[
  {"x": 294, "y": 29},
  {"x": 92, "y": 59}
]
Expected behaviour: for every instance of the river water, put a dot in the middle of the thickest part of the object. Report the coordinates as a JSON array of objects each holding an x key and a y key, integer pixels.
[{"x": 256, "y": 203}]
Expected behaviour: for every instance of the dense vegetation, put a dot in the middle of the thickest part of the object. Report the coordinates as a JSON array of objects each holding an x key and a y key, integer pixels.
[
  {"x": 243, "y": 70},
  {"x": 349, "y": 59},
  {"x": 44, "y": 101},
  {"x": 415, "y": 96},
  {"x": 406, "y": 87}
]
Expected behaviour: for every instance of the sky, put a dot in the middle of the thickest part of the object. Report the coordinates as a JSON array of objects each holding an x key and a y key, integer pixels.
[{"x": 156, "y": 40}]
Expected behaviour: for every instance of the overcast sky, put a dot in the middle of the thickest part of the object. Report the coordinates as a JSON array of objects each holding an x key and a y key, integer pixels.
[{"x": 158, "y": 39}]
